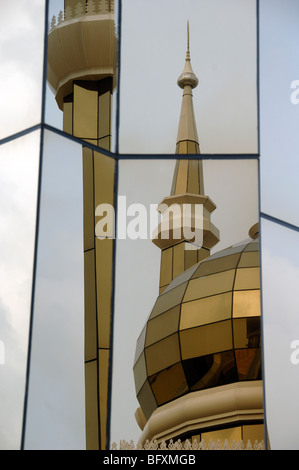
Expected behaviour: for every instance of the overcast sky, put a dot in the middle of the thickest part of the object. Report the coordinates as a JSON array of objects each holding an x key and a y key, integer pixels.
[{"x": 222, "y": 42}]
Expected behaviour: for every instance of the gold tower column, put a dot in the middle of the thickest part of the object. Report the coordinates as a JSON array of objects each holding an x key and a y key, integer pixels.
[
  {"x": 179, "y": 252},
  {"x": 81, "y": 73}
]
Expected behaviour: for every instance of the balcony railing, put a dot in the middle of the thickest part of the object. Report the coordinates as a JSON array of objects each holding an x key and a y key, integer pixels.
[
  {"x": 190, "y": 445},
  {"x": 82, "y": 8}
]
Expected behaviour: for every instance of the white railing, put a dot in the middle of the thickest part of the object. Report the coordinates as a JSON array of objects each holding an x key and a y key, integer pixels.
[
  {"x": 189, "y": 445},
  {"x": 82, "y": 8}
]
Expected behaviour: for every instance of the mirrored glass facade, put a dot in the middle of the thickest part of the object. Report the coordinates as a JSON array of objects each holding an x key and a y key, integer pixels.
[{"x": 105, "y": 321}]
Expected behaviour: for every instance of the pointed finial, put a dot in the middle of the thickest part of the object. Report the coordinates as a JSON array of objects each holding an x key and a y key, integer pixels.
[
  {"x": 187, "y": 77},
  {"x": 188, "y": 44}
]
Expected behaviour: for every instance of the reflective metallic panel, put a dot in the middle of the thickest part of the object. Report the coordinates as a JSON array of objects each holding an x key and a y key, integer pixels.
[
  {"x": 248, "y": 364},
  {"x": 206, "y": 310},
  {"x": 162, "y": 326},
  {"x": 279, "y": 155},
  {"x": 81, "y": 69},
  {"x": 247, "y": 332},
  {"x": 19, "y": 163},
  {"x": 210, "y": 285},
  {"x": 56, "y": 379},
  {"x": 247, "y": 278},
  {"x": 162, "y": 354},
  {"x": 165, "y": 384},
  {"x": 217, "y": 265},
  {"x": 246, "y": 303},
  {"x": 146, "y": 395},
  {"x": 207, "y": 339},
  {"x": 226, "y": 125},
  {"x": 280, "y": 275},
  {"x": 168, "y": 300},
  {"x": 22, "y": 26},
  {"x": 211, "y": 370}
]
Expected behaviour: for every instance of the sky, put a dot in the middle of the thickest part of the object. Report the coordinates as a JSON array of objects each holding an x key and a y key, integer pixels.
[{"x": 223, "y": 57}]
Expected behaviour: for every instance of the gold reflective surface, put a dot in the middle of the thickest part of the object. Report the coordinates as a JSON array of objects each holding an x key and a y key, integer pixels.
[
  {"x": 247, "y": 332},
  {"x": 246, "y": 303},
  {"x": 140, "y": 372},
  {"x": 85, "y": 113},
  {"x": 215, "y": 308},
  {"x": 206, "y": 310},
  {"x": 217, "y": 265},
  {"x": 88, "y": 199},
  {"x": 247, "y": 278},
  {"x": 91, "y": 405},
  {"x": 163, "y": 354},
  {"x": 146, "y": 397},
  {"x": 90, "y": 329},
  {"x": 103, "y": 393},
  {"x": 169, "y": 384},
  {"x": 248, "y": 363},
  {"x": 210, "y": 285},
  {"x": 207, "y": 339},
  {"x": 104, "y": 280},
  {"x": 166, "y": 267},
  {"x": 168, "y": 300},
  {"x": 162, "y": 326}
]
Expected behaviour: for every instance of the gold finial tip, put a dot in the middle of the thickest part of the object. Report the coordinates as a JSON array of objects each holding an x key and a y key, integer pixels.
[
  {"x": 254, "y": 231},
  {"x": 187, "y": 77}
]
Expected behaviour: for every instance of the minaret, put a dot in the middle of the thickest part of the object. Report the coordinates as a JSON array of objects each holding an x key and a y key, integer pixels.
[
  {"x": 82, "y": 55},
  {"x": 186, "y": 234}
]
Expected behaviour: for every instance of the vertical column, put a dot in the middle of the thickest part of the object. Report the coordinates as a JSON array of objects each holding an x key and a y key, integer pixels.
[{"x": 87, "y": 115}]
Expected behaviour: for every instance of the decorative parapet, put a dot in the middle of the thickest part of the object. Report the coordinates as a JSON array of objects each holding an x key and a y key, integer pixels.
[
  {"x": 190, "y": 445},
  {"x": 92, "y": 7}
]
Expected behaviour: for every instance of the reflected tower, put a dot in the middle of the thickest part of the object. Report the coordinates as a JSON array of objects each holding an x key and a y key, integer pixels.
[
  {"x": 197, "y": 366},
  {"x": 82, "y": 65}
]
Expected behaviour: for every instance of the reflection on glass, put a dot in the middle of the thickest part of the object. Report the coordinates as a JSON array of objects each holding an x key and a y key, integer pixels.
[
  {"x": 22, "y": 25},
  {"x": 225, "y": 100},
  {"x": 19, "y": 161},
  {"x": 279, "y": 129},
  {"x": 82, "y": 69},
  {"x": 56, "y": 380},
  {"x": 138, "y": 314},
  {"x": 280, "y": 276}
]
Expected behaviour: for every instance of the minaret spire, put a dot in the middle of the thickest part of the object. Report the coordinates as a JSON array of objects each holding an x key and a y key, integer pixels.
[{"x": 180, "y": 253}]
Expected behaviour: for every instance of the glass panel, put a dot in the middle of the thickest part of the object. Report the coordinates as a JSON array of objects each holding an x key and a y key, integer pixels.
[
  {"x": 247, "y": 332},
  {"x": 139, "y": 310},
  {"x": 162, "y": 326},
  {"x": 225, "y": 103},
  {"x": 22, "y": 24},
  {"x": 207, "y": 310},
  {"x": 163, "y": 354},
  {"x": 248, "y": 363},
  {"x": 206, "y": 339},
  {"x": 279, "y": 116},
  {"x": 247, "y": 278},
  {"x": 210, "y": 285},
  {"x": 56, "y": 380},
  {"x": 164, "y": 384},
  {"x": 82, "y": 69},
  {"x": 280, "y": 276},
  {"x": 210, "y": 371},
  {"x": 246, "y": 303},
  {"x": 19, "y": 163}
]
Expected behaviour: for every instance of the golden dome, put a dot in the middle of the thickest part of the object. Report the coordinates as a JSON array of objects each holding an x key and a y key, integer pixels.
[{"x": 204, "y": 329}]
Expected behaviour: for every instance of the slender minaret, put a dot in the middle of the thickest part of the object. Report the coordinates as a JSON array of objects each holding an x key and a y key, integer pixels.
[
  {"x": 81, "y": 73},
  {"x": 187, "y": 210}
]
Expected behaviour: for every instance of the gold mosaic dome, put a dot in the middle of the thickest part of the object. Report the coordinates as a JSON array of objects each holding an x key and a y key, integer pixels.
[{"x": 204, "y": 329}]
